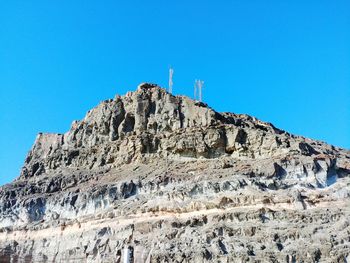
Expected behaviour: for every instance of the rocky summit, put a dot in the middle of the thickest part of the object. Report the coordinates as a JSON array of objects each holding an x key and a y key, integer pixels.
[{"x": 152, "y": 177}]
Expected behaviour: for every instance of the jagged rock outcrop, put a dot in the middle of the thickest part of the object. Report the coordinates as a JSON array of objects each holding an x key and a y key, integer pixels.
[{"x": 169, "y": 179}]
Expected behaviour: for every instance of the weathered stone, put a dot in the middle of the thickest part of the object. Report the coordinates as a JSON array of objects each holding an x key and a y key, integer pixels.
[{"x": 173, "y": 180}]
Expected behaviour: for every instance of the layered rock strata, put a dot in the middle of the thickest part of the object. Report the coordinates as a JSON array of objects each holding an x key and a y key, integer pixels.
[{"x": 164, "y": 178}]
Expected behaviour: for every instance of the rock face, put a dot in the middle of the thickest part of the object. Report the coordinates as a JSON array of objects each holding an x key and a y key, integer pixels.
[{"x": 163, "y": 178}]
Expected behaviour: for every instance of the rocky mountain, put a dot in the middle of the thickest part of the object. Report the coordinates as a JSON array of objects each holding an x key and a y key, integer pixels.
[{"x": 152, "y": 177}]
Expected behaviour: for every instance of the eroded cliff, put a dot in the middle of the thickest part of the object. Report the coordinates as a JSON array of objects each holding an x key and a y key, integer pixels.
[{"x": 172, "y": 180}]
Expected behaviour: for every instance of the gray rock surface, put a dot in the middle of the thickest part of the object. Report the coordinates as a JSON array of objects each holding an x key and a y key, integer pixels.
[{"x": 175, "y": 181}]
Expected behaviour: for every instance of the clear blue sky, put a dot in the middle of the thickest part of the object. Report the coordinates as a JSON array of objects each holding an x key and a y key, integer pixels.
[{"x": 286, "y": 62}]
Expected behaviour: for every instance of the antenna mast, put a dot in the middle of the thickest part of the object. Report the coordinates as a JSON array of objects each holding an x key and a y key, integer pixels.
[
  {"x": 171, "y": 73},
  {"x": 195, "y": 89},
  {"x": 198, "y": 85}
]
